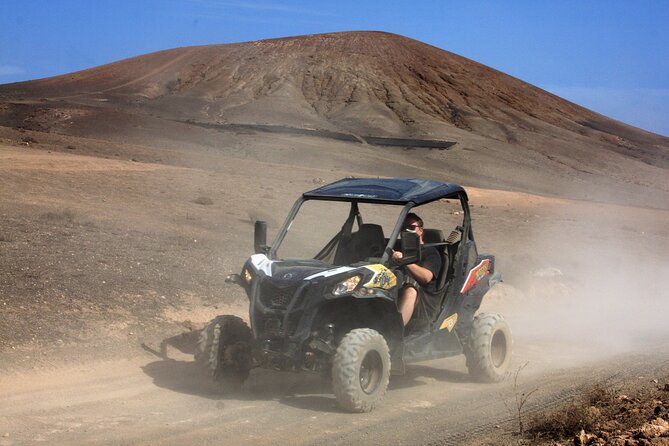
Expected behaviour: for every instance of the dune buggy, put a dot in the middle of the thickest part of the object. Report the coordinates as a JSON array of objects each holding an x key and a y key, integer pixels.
[{"x": 323, "y": 296}]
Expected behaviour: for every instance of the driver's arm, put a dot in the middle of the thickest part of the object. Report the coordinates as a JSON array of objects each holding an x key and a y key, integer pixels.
[{"x": 422, "y": 275}]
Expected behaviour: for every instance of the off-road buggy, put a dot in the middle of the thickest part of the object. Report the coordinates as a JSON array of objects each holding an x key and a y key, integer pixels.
[{"x": 334, "y": 309}]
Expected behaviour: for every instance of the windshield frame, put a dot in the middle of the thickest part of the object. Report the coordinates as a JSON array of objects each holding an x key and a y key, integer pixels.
[{"x": 406, "y": 208}]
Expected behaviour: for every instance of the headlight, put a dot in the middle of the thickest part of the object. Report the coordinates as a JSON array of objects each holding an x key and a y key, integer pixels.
[
  {"x": 247, "y": 275},
  {"x": 346, "y": 286},
  {"x": 365, "y": 292}
]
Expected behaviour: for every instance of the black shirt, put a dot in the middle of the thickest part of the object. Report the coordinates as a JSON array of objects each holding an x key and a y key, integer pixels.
[
  {"x": 431, "y": 260},
  {"x": 428, "y": 301}
]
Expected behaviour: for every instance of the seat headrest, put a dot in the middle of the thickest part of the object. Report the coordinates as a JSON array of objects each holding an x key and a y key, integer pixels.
[
  {"x": 433, "y": 236},
  {"x": 370, "y": 230},
  {"x": 368, "y": 242}
]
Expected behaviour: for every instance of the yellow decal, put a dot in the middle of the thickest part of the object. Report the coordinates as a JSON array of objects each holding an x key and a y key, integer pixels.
[
  {"x": 449, "y": 322},
  {"x": 481, "y": 272},
  {"x": 383, "y": 278}
]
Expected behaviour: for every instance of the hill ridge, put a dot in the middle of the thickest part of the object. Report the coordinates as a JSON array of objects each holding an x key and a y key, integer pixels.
[{"x": 369, "y": 83}]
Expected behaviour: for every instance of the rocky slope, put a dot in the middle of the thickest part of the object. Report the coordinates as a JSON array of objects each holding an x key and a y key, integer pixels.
[{"x": 352, "y": 86}]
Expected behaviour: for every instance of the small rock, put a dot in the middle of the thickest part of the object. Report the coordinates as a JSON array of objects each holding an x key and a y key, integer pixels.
[
  {"x": 583, "y": 439},
  {"x": 655, "y": 428},
  {"x": 594, "y": 412},
  {"x": 204, "y": 201},
  {"x": 188, "y": 324},
  {"x": 604, "y": 436},
  {"x": 666, "y": 387},
  {"x": 5, "y": 435}
]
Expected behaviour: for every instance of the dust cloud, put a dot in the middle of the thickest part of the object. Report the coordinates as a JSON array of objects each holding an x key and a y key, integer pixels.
[{"x": 590, "y": 284}]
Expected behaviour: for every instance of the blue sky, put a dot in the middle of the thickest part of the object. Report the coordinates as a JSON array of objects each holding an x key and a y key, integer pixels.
[{"x": 610, "y": 56}]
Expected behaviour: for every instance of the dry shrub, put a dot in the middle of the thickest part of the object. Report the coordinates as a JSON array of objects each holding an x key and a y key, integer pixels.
[
  {"x": 607, "y": 413},
  {"x": 566, "y": 422},
  {"x": 65, "y": 215},
  {"x": 600, "y": 396}
]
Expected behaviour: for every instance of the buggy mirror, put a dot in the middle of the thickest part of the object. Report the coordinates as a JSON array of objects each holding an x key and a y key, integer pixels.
[
  {"x": 410, "y": 243},
  {"x": 260, "y": 237}
]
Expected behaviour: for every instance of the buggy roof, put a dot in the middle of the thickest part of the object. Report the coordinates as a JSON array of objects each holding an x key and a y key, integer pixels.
[{"x": 398, "y": 191}]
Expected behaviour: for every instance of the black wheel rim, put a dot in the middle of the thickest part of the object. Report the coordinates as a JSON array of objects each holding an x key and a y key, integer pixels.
[
  {"x": 370, "y": 372},
  {"x": 498, "y": 349}
]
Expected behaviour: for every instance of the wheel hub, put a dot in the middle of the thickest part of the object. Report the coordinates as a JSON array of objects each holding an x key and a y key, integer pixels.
[{"x": 370, "y": 372}]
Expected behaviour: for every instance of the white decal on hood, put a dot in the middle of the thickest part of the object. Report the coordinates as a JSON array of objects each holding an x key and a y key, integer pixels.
[
  {"x": 330, "y": 272},
  {"x": 262, "y": 263}
]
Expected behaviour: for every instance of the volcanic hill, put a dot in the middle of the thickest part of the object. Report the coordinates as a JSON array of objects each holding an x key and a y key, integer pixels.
[{"x": 355, "y": 88}]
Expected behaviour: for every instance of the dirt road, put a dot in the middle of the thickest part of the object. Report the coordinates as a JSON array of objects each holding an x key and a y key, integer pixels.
[
  {"x": 108, "y": 250},
  {"x": 150, "y": 400}
]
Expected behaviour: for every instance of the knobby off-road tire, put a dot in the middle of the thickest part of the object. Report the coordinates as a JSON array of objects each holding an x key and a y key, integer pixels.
[
  {"x": 361, "y": 370},
  {"x": 489, "y": 348},
  {"x": 224, "y": 350}
]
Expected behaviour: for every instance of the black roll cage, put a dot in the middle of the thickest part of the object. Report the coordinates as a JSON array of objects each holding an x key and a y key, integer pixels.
[{"x": 354, "y": 214}]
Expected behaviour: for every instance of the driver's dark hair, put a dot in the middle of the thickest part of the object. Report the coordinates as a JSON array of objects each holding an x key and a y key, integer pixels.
[{"x": 414, "y": 217}]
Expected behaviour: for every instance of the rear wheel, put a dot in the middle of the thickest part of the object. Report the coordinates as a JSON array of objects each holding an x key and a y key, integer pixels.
[
  {"x": 224, "y": 350},
  {"x": 361, "y": 370},
  {"x": 489, "y": 348}
]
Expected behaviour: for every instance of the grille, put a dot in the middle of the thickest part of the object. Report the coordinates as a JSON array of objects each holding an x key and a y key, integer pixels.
[
  {"x": 276, "y": 297},
  {"x": 269, "y": 326},
  {"x": 272, "y": 327}
]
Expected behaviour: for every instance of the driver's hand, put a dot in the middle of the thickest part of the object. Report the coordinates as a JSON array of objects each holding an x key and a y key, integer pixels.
[{"x": 397, "y": 255}]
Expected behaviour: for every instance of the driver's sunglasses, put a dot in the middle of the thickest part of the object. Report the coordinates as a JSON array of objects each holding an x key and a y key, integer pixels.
[{"x": 412, "y": 227}]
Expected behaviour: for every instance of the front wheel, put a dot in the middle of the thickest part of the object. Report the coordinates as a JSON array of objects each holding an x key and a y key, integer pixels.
[
  {"x": 361, "y": 370},
  {"x": 489, "y": 347},
  {"x": 224, "y": 350}
]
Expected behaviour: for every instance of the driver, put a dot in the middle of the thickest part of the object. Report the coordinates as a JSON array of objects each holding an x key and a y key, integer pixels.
[{"x": 416, "y": 297}]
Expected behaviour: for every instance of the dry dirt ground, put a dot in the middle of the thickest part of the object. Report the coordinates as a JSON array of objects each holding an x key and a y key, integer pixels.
[{"x": 113, "y": 255}]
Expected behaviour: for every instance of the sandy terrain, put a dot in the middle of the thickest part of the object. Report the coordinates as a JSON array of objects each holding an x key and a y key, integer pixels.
[
  {"x": 112, "y": 258},
  {"x": 121, "y": 214}
]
